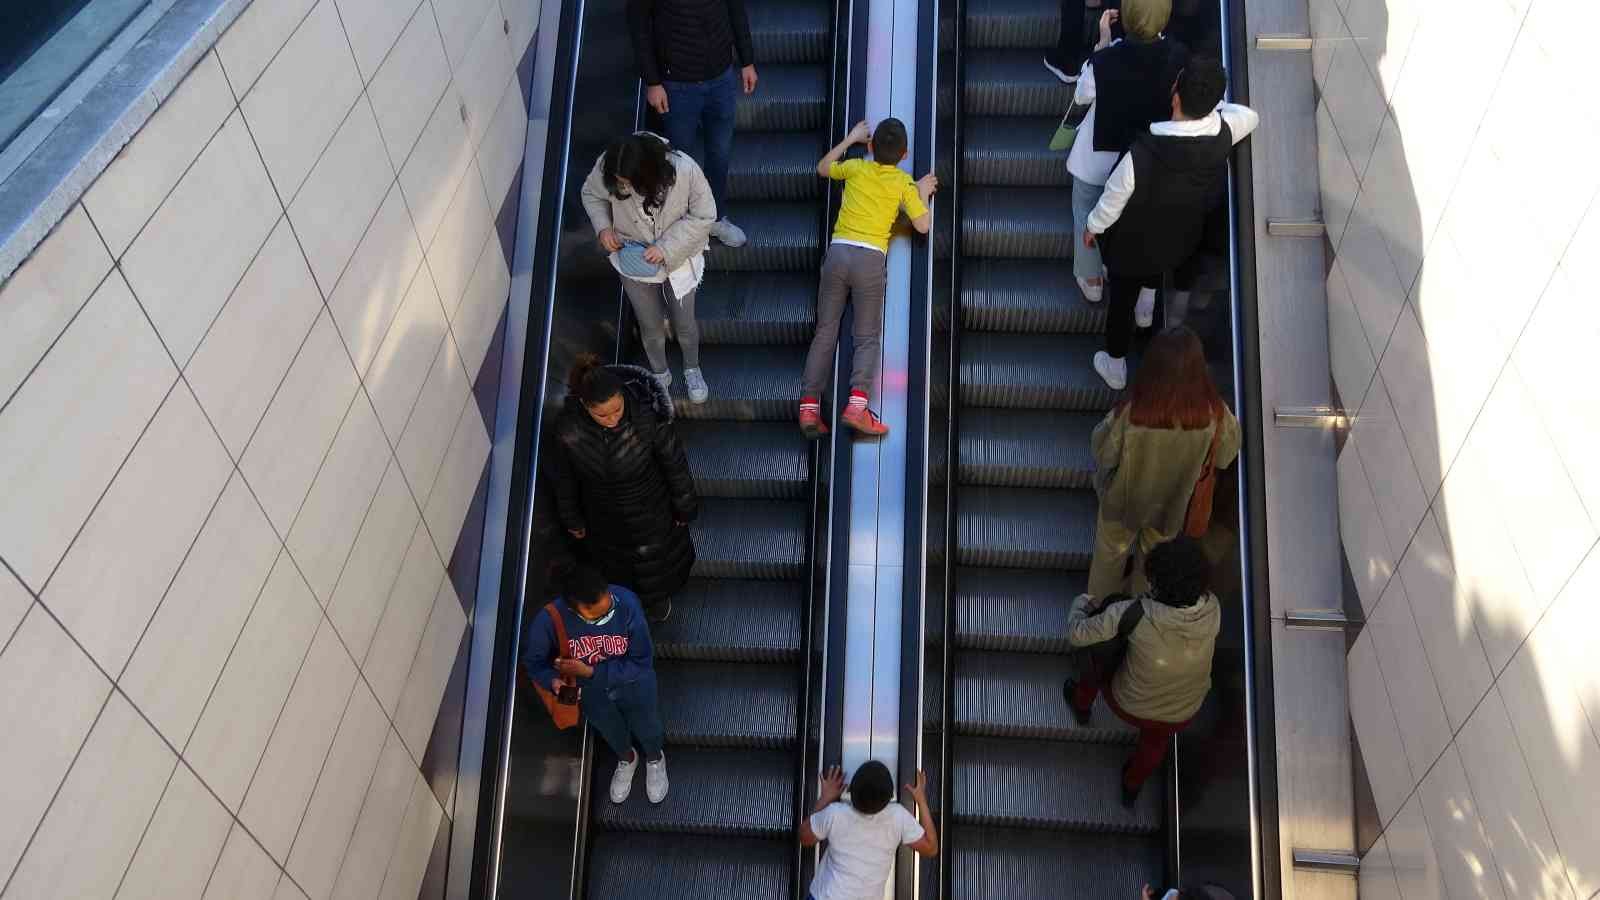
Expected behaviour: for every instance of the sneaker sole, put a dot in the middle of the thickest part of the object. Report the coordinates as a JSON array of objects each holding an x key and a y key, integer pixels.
[
  {"x": 1061, "y": 76},
  {"x": 812, "y": 433}
]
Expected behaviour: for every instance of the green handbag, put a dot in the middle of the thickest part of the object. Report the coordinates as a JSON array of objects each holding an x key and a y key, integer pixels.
[{"x": 1062, "y": 139}]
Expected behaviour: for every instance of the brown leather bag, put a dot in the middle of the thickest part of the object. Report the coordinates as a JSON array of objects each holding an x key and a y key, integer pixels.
[
  {"x": 1198, "y": 521},
  {"x": 563, "y": 708}
]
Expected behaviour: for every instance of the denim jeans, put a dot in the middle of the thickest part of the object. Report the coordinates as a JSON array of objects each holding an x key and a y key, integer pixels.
[
  {"x": 699, "y": 121},
  {"x": 1085, "y": 260},
  {"x": 625, "y": 714}
]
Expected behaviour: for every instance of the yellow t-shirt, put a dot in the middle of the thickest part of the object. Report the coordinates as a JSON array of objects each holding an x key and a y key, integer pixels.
[{"x": 873, "y": 196}]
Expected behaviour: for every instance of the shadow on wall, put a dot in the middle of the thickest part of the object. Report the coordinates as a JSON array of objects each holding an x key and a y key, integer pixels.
[{"x": 1461, "y": 226}]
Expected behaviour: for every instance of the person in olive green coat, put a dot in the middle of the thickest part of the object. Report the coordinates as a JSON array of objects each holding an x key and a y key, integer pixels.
[{"x": 1149, "y": 452}]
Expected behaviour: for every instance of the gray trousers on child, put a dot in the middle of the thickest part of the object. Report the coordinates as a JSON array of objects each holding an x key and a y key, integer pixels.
[
  {"x": 849, "y": 273},
  {"x": 647, "y": 300}
]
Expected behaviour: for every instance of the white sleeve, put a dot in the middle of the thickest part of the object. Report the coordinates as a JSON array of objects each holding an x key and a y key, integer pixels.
[
  {"x": 1083, "y": 92},
  {"x": 1241, "y": 119},
  {"x": 911, "y": 830},
  {"x": 822, "y": 822},
  {"x": 1119, "y": 187}
]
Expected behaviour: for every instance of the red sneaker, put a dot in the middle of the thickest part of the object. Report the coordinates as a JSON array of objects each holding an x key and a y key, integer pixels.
[
  {"x": 864, "y": 421},
  {"x": 811, "y": 424}
]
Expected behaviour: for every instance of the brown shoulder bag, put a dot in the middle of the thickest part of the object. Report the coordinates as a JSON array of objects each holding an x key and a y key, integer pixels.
[
  {"x": 563, "y": 707},
  {"x": 1198, "y": 521}
]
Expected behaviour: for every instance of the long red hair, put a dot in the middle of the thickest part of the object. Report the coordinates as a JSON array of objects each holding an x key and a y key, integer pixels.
[{"x": 1173, "y": 388}]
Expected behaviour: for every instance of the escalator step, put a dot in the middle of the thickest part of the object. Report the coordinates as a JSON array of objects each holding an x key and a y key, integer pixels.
[
  {"x": 733, "y": 620},
  {"x": 750, "y": 539},
  {"x": 1013, "y": 151},
  {"x": 747, "y": 383},
  {"x": 1031, "y": 222},
  {"x": 776, "y": 166},
  {"x": 737, "y": 793},
  {"x": 1020, "y": 448},
  {"x": 757, "y": 307},
  {"x": 1033, "y": 371},
  {"x": 723, "y": 704},
  {"x": 792, "y": 97},
  {"x": 746, "y": 459},
  {"x": 783, "y": 236},
  {"x": 1015, "y": 609},
  {"x": 1049, "y": 784},
  {"x": 1032, "y": 296},
  {"x": 1013, "y": 23},
  {"x": 1018, "y": 695},
  {"x": 1023, "y": 864},
  {"x": 1011, "y": 83},
  {"x": 682, "y": 865},
  {"x": 1025, "y": 528},
  {"x": 789, "y": 31}
]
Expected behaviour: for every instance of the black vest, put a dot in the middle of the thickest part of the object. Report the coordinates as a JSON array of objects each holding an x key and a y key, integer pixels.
[
  {"x": 1133, "y": 87},
  {"x": 1177, "y": 182}
]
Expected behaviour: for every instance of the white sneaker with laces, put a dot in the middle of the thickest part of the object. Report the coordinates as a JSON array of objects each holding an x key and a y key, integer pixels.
[
  {"x": 696, "y": 383},
  {"x": 1060, "y": 73},
  {"x": 1112, "y": 369},
  {"x": 622, "y": 779},
  {"x": 1091, "y": 292},
  {"x": 655, "y": 779},
  {"x": 728, "y": 233},
  {"x": 1144, "y": 311}
]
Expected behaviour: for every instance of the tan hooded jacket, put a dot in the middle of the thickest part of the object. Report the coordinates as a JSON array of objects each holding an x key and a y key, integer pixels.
[{"x": 1167, "y": 672}]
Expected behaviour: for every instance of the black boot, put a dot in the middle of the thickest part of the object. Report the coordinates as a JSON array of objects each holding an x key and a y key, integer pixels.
[
  {"x": 1130, "y": 796},
  {"x": 1081, "y": 716}
]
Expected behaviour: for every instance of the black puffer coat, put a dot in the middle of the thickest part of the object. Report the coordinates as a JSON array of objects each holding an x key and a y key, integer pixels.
[{"x": 627, "y": 487}]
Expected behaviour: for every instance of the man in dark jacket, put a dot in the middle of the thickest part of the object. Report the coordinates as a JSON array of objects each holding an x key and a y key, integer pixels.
[{"x": 694, "y": 57}]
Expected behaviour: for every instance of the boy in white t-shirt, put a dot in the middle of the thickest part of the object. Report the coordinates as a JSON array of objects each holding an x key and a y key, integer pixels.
[{"x": 864, "y": 834}]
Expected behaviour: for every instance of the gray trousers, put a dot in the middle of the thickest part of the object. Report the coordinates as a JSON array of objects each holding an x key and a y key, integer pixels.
[
  {"x": 647, "y": 300},
  {"x": 849, "y": 273}
]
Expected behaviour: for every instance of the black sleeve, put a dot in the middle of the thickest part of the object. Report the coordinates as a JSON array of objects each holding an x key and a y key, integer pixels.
[
  {"x": 675, "y": 466},
  {"x": 641, "y": 26},
  {"x": 569, "y": 505},
  {"x": 739, "y": 21}
]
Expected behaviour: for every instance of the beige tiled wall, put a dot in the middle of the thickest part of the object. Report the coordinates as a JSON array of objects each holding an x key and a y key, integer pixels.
[
  {"x": 238, "y": 442},
  {"x": 1459, "y": 189}
]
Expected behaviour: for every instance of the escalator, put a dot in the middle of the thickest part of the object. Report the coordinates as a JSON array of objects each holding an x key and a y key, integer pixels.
[{"x": 731, "y": 661}]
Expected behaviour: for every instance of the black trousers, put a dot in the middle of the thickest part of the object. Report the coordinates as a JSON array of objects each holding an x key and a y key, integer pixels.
[
  {"x": 1079, "y": 32},
  {"x": 1123, "y": 291}
]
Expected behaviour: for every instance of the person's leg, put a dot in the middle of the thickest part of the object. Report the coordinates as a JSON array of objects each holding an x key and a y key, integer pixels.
[
  {"x": 607, "y": 720},
  {"x": 833, "y": 291},
  {"x": 868, "y": 277},
  {"x": 681, "y": 123},
  {"x": 640, "y": 706},
  {"x": 684, "y": 324},
  {"x": 1124, "y": 292},
  {"x": 1086, "y": 264},
  {"x": 716, "y": 128},
  {"x": 1112, "y": 544},
  {"x": 1154, "y": 740},
  {"x": 646, "y": 302}
]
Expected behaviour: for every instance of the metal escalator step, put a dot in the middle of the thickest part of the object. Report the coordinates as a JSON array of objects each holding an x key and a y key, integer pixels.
[
  {"x": 1009, "y": 150},
  {"x": 1033, "y": 296},
  {"x": 1013, "y": 23},
  {"x": 1062, "y": 785},
  {"x": 746, "y": 459},
  {"x": 1033, "y": 371},
  {"x": 1025, "y": 528},
  {"x": 737, "y": 793},
  {"x": 1021, "y": 448},
  {"x": 726, "y": 704},
  {"x": 1015, "y": 609},
  {"x": 764, "y": 539},
  {"x": 792, "y": 97},
  {"x": 757, "y": 307},
  {"x": 1011, "y": 83},
  {"x": 789, "y": 31},
  {"x": 777, "y": 165},
  {"x": 734, "y": 620},
  {"x": 1024, "y": 864},
  {"x": 1018, "y": 695},
  {"x": 684, "y": 865},
  {"x": 1017, "y": 222},
  {"x": 747, "y": 383},
  {"x": 783, "y": 236}
]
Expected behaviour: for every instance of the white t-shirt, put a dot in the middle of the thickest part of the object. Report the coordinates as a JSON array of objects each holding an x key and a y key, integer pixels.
[{"x": 861, "y": 849}]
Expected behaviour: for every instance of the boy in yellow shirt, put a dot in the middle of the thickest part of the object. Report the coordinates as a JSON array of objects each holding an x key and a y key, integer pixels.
[{"x": 856, "y": 266}]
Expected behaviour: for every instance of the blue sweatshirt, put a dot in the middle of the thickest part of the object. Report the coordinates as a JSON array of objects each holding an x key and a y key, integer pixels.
[{"x": 619, "y": 650}]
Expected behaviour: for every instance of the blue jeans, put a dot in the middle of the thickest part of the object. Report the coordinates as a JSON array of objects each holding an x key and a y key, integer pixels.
[
  {"x": 1085, "y": 260},
  {"x": 699, "y": 121},
  {"x": 625, "y": 713}
]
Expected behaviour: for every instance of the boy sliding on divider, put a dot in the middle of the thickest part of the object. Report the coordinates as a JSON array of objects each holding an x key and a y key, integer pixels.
[{"x": 856, "y": 266}]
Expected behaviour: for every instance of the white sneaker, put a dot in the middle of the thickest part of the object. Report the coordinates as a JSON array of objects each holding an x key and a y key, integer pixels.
[
  {"x": 663, "y": 378},
  {"x": 728, "y": 233},
  {"x": 622, "y": 779},
  {"x": 1112, "y": 369},
  {"x": 696, "y": 383},
  {"x": 1091, "y": 292},
  {"x": 1059, "y": 73},
  {"x": 655, "y": 779},
  {"x": 1144, "y": 311}
]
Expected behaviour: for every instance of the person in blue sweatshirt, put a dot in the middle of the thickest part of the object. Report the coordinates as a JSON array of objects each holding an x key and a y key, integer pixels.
[{"x": 610, "y": 655}]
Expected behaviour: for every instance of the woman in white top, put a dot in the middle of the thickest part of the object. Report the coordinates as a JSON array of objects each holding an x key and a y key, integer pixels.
[{"x": 864, "y": 834}]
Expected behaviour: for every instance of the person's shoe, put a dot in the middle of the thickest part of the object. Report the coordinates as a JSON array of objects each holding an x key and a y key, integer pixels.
[
  {"x": 728, "y": 233},
  {"x": 696, "y": 383},
  {"x": 864, "y": 421},
  {"x": 1058, "y": 68},
  {"x": 1144, "y": 310},
  {"x": 660, "y": 612},
  {"x": 622, "y": 779},
  {"x": 1130, "y": 796},
  {"x": 1091, "y": 292},
  {"x": 655, "y": 779},
  {"x": 1081, "y": 716},
  {"x": 1112, "y": 369},
  {"x": 811, "y": 424}
]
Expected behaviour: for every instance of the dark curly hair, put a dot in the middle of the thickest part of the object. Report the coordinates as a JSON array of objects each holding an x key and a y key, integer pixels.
[{"x": 1179, "y": 572}]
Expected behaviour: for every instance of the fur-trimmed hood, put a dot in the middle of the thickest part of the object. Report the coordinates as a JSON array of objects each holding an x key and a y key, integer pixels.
[{"x": 645, "y": 388}]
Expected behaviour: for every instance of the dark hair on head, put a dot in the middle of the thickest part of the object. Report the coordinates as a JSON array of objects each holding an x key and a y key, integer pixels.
[
  {"x": 1179, "y": 572},
  {"x": 889, "y": 141},
  {"x": 642, "y": 160},
  {"x": 1201, "y": 86},
  {"x": 585, "y": 585},
  {"x": 592, "y": 382},
  {"x": 872, "y": 787},
  {"x": 1173, "y": 387}
]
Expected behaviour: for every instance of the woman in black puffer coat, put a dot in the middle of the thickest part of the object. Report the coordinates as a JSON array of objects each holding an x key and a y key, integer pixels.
[{"x": 623, "y": 486}]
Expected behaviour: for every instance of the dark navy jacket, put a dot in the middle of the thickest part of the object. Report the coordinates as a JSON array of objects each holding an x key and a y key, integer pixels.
[{"x": 619, "y": 650}]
